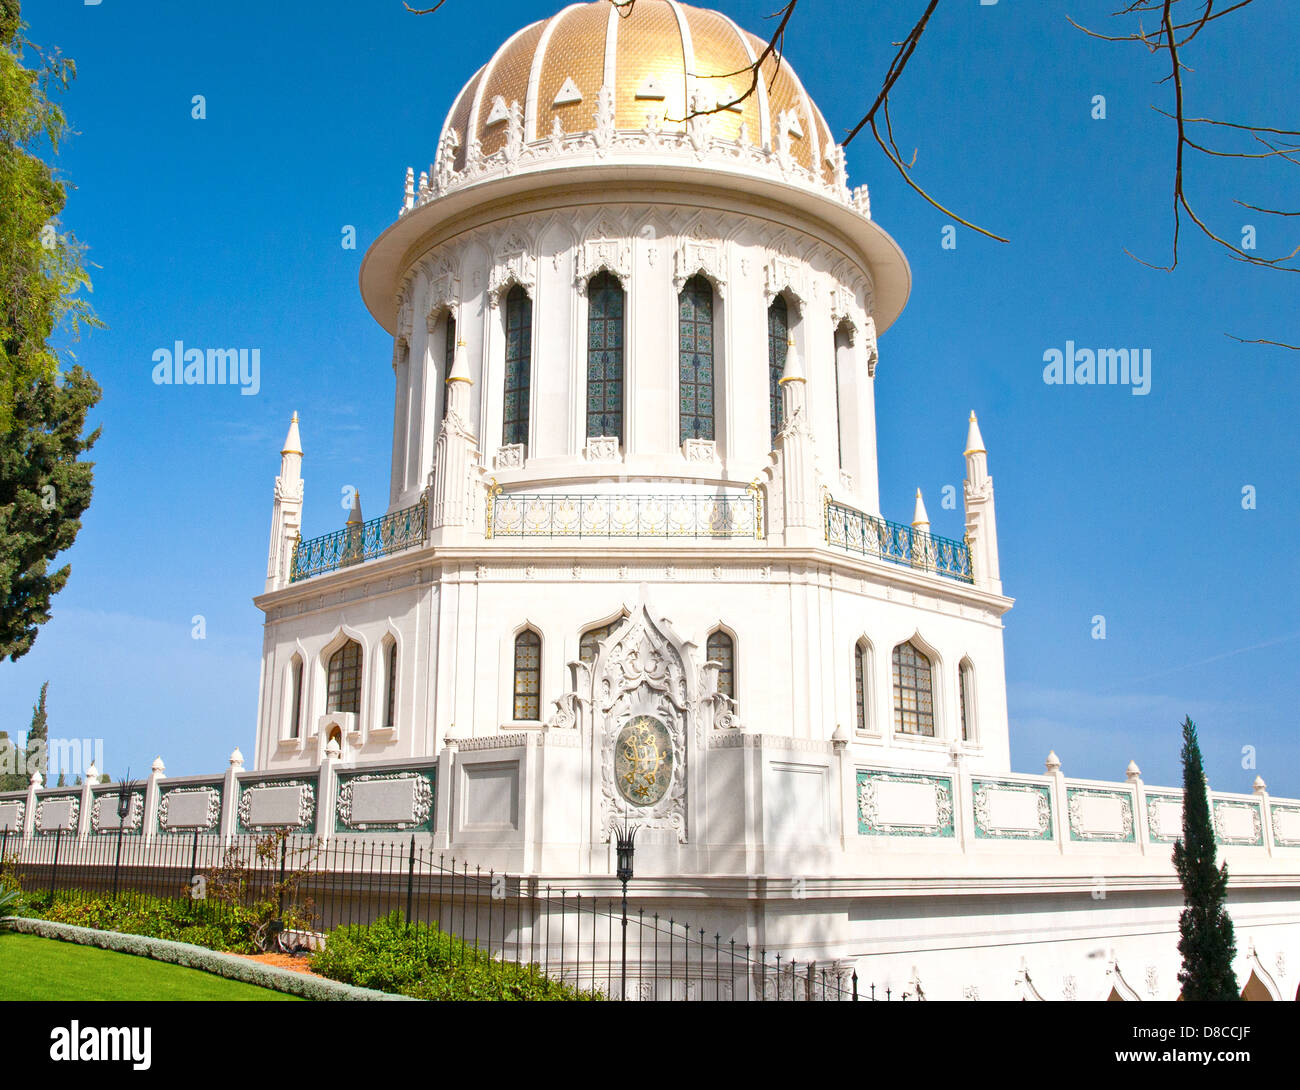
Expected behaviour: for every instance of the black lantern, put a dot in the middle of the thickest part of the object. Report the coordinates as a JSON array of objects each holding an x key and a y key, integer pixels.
[
  {"x": 625, "y": 840},
  {"x": 124, "y": 801}
]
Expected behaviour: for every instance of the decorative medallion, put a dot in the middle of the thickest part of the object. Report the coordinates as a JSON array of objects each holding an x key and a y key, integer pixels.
[{"x": 643, "y": 761}]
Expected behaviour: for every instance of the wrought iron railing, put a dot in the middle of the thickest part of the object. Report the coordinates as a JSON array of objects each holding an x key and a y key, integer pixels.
[
  {"x": 383, "y": 536},
  {"x": 568, "y": 515},
  {"x": 867, "y": 535}
]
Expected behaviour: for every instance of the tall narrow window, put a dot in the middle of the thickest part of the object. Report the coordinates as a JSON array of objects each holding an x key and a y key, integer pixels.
[
  {"x": 592, "y": 638},
  {"x": 843, "y": 347},
  {"x": 344, "y": 676},
  {"x": 913, "y": 691},
  {"x": 528, "y": 675},
  {"x": 605, "y": 356},
  {"x": 390, "y": 689},
  {"x": 448, "y": 358},
  {"x": 722, "y": 650},
  {"x": 966, "y": 694},
  {"x": 519, "y": 355},
  {"x": 695, "y": 359},
  {"x": 778, "y": 339},
  {"x": 295, "y": 723},
  {"x": 860, "y": 671}
]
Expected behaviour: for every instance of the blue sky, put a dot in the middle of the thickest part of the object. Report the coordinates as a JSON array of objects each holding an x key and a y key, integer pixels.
[{"x": 226, "y": 231}]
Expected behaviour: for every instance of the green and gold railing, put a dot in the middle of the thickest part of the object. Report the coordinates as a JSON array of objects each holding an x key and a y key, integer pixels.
[
  {"x": 567, "y": 515},
  {"x": 857, "y": 532},
  {"x": 383, "y": 536}
]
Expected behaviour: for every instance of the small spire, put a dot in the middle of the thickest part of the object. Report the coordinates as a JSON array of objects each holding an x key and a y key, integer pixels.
[
  {"x": 459, "y": 368},
  {"x": 37, "y": 778},
  {"x": 236, "y": 759},
  {"x": 1053, "y": 763},
  {"x": 354, "y": 516},
  {"x": 920, "y": 517},
  {"x": 1259, "y": 785},
  {"x": 292, "y": 444},
  {"x": 974, "y": 440},
  {"x": 92, "y": 773},
  {"x": 793, "y": 365},
  {"x": 158, "y": 767},
  {"x": 1132, "y": 773}
]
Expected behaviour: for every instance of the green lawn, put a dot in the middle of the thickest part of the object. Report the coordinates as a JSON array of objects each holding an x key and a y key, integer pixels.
[{"x": 36, "y": 968}]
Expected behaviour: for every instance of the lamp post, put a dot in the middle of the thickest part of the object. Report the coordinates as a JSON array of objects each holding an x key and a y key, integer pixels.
[
  {"x": 123, "y": 810},
  {"x": 626, "y": 846}
]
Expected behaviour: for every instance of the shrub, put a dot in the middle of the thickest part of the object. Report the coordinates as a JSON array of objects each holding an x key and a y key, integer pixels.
[
  {"x": 427, "y": 964},
  {"x": 229, "y": 928}
]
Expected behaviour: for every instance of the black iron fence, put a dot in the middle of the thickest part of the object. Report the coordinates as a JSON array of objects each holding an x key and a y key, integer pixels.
[{"x": 581, "y": 939}]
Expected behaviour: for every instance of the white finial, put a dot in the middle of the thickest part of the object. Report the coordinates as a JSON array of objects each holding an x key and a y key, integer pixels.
[
  {"x": 354, "y": 515},
  {"x": 793, "y": 371},
  {"x": 292, "y": 443},
  {"x": 332, "y": 749},
  {"x": 37, "y": 778},
  {"x": 920, "y": 517},
  {"x": 1053, "y": 763},
  {"x": 459, "y": 366},
  {"x": 1260, "y": 785},
  {"x": 236, "y": 759},
  {"x": 1132, "y": 773},
  {"x": 158, "y": 768},
  {"x": 974, "y": 440},
  {"x": 92, "y": 773}
]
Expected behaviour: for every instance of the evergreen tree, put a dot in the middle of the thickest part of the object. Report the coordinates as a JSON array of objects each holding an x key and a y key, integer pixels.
[
  {"x": 38, "y": 740},
  {"x": 1205, "y": 940},
  {"x": 43, "y": 487},
  {"x": 12, "y": 765}
]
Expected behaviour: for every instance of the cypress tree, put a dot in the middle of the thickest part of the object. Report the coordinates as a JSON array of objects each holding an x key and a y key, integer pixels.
[
  {"x": 38, "y": 741},
  {"x": 1206, "y": 939}
]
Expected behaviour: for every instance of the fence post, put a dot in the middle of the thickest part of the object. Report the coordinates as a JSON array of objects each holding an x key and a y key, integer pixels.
[
  {"x": 410, "y": 882},
  {"x": 54, "y": 866},
  {"x": 284, "y": 847}
]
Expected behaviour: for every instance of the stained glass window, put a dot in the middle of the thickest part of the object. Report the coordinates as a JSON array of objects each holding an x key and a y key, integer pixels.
[
  {"x": 695, "y": 359},
  {"x": 778, "y": 339},
  {"x": 589, "y": 644},
  {"x": 913, "y": 692},
  {"x": 519, "y": 354},
  {"x": 448, "y": 358},
  {"x": 722, "y": 650},
  {"x": 605, "y": 356},
  {"x": 295, "y": 724},
  {"x": 344, "y": 674},
  {"x": 860, "y": 678},
  {"x": 390, "y": 704},
  {"x": 528, "y": 675},
  {"x": 965, "y": 687}
]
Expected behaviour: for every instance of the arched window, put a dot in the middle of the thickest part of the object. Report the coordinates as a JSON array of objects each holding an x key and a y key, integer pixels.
[
  {"x": 448, "y": 358},
  {"x": 913, "y": 691},
  {"x": 390, "y": 684},
  {"x": 344, "y": 676},
  {"x": 528, "y": 675},
  {"x": 695, "y": 359},
  {"x": 295, "y": 708},
  {"x": 861, "y": 673},
  {"x": 966, "y": 695},
  {"x": 722, "y": 650},
  {"x": 591, "y": 639},
  {"x": 605, "y": 356},
  {"x": 519, "y": 355},
  {"x": 778, "y": 339}
]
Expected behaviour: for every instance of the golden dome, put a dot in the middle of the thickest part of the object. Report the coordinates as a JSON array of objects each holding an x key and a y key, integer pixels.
[{"x": 655, "y": 58}]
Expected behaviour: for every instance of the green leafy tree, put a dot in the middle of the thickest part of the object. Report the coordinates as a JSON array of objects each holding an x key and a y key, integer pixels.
[
  {"x": 13, "y": 762},
  {"x": 1205, "y": 940},
  {"x": 44, "y": 489}
]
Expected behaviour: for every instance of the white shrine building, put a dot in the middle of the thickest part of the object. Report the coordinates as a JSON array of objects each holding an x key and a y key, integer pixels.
[{"x": 634, "y": 561}]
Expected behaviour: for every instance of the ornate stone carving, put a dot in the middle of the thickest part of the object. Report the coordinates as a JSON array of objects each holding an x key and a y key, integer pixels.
[
  {"x": 700, "y": 450},
  {"x": 514, "y": 264},
  {"x": 606, "y": 249},
  {"x": 784, "y": 274},
  {"x": 211, "y": 806},
  {"x": 697, "y": 252},
  {"x": 306, "y": 805},
  {"x": 421, "y": 801},
  {"x": 509, "y": 457},
  {"x": 601, "y": 448},
  {"x": 105, "y": 806}
]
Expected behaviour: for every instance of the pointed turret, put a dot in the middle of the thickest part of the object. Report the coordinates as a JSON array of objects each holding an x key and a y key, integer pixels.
[
  {"x": 793, "y": 371},
  {"x": 354, "y": 514},
  {"x": 286, "y": 513},
  {"x": 455, "y": 457},
  {"x": 920, "y": 517},
  {"x": 981, "y": 521},
  {"x": 803, "y": 511}
]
